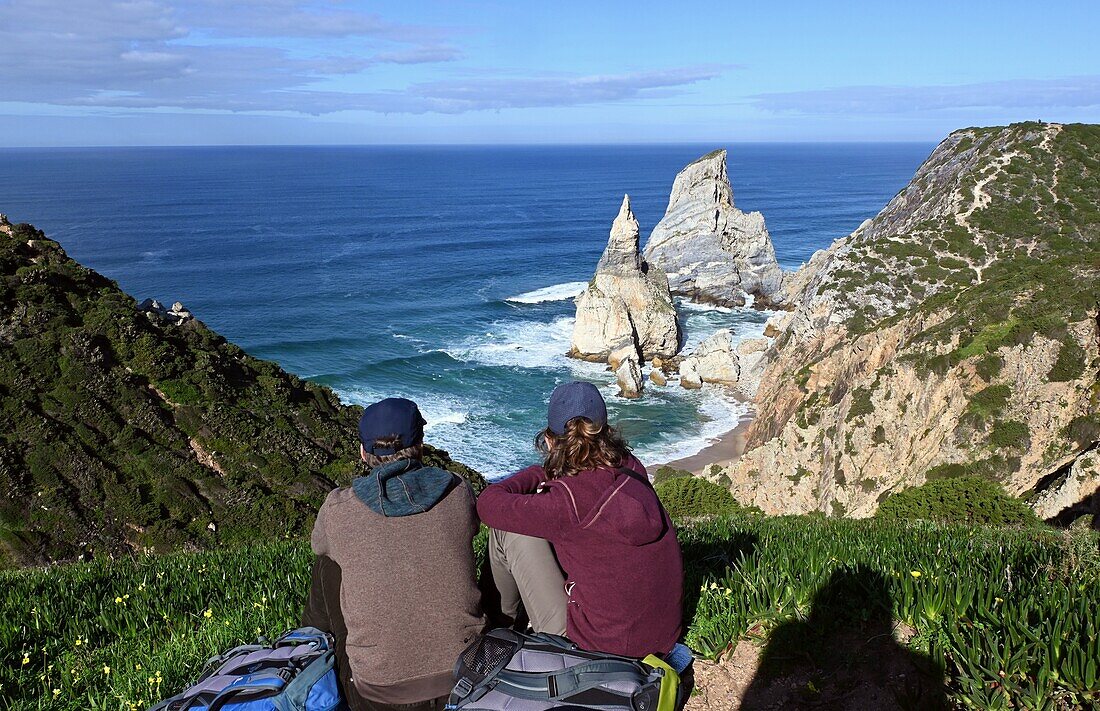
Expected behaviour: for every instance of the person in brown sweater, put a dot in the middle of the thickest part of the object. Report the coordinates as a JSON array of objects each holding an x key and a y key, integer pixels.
[{"x": 394, "y": 578}]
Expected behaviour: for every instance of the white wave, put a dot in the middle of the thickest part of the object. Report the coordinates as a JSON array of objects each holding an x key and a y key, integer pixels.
[
  {"x": 447, "y": 418},
  {"x": 557, "y": 292},
  {"x": 722, "y": 412},
  {"x": 697, "y": 306},
  {"x": 523, "y": 344}
]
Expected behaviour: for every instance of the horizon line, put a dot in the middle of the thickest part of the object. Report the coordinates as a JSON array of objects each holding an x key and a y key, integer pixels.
[{"x": 578, "y": 144}]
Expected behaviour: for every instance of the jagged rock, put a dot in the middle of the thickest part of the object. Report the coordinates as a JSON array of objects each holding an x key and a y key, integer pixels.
[
  {"x": 658, "y": 377},
  {"x": 713, "y": 361},
  {"x": 689, "y": 374},
  {"x": 624, "y": 352},
  {"x": 629, "y": 377},
  {"x": 177, "y": 315},
  {"x": 1073, "y": 491},
  {"x": 711, "y": 251},
  {"x": 751, "y": 353},
  {"x": 627, "y": 301}
]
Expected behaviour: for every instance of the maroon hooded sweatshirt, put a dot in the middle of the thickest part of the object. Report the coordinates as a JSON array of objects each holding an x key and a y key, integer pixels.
[{"x": 616, "y": 544}]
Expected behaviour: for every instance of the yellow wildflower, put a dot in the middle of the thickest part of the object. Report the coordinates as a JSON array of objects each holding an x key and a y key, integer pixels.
[
  {"x": 138, "y": 667},
  {"x": 26, "y": 660},
  {"x": 208, "y": 614},
  {"x": 728, "y": 591},
  {"x": 106, "y": 670},
  {"x": 915, "y": 573},
  {"x": 56, "y": 693},
  {"x": 118, "y": 600}
]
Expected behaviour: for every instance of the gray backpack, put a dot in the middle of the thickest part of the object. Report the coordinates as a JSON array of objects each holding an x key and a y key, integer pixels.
[{"x": 504, "y": 670}]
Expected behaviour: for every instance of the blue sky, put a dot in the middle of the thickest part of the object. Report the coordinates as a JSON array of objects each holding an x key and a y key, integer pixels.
[{"x": 164, "y": 72}]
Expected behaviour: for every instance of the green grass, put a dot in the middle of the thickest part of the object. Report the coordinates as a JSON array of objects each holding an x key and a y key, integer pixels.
[{"x": 987, "y": 601}]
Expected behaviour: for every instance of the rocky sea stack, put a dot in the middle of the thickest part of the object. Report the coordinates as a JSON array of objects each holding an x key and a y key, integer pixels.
[
  {"x": 956, "y": 333},
  {"x": 626, "y": 313},
  {"x": 711, "y": 251}
]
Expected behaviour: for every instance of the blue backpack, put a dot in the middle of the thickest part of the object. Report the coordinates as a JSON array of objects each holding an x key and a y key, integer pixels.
[{"x": 296, "y": 673}]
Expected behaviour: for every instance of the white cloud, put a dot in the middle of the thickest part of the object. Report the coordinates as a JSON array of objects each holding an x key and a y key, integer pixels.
[{"x": 140, "y": 54}]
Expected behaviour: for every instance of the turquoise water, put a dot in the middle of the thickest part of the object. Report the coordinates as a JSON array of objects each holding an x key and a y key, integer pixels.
[{"x": 438, "y": 273}]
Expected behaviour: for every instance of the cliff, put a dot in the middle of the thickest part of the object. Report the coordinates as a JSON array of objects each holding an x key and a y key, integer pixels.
[
  {"x": 128, "y": 428},
  {"x": 712, "y": 251},
  {"x": 956, "y": 332},
  {"x": 627, "y": 302}
]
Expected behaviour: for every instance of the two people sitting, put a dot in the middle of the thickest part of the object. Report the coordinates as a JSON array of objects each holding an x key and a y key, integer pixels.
[{"x": 580, "y": 543}]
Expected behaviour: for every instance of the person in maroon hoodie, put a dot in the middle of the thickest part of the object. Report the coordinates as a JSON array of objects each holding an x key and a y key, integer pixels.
[{"x": 590, "y": 508}]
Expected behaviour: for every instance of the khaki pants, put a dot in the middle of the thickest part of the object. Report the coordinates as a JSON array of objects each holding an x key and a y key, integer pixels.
[{"x": 525, "y": 571}]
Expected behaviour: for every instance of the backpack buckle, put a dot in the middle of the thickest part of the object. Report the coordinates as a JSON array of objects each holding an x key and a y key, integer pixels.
[{"x": 463, "y": 688}]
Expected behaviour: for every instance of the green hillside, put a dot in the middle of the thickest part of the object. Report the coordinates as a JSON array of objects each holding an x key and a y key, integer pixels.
[{"x": 126, "y": 430}]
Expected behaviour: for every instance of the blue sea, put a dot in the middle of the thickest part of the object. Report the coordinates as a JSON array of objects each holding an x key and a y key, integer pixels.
[{"x": 443, "y": 274}]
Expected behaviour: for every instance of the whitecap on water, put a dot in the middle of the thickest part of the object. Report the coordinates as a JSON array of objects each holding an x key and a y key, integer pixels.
[
  {"x": 523, "y": 344},
  {"x": 557, "y": 292}
]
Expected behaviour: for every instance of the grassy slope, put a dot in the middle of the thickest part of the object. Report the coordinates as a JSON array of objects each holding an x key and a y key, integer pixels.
[
  {"x": 983, "y": 601},
  {"x": 119, "y": 431}
]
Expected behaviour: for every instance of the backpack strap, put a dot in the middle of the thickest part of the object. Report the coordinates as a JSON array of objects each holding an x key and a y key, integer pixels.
[
  {"x": 549, "y": 686},
  {"x": 254, "y": 685}
]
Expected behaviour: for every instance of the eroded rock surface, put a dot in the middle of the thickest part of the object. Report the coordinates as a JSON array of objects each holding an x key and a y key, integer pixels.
[
  {"x": 712, "y": 251},
  {"x": 627, "y": 301}
]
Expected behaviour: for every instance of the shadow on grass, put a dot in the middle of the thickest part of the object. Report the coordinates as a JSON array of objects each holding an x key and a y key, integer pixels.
[
  {"x": 710, "y": 558},
  {"x": 845, "y": 656}
]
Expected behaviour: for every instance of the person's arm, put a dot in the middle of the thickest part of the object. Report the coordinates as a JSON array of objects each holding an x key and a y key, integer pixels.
[
  {"x": 318, "y": 540},
  {"x": 515, "y": 504}
]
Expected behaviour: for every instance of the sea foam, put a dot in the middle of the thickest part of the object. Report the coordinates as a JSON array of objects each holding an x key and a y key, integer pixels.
[{"x": 557, "y": 292}]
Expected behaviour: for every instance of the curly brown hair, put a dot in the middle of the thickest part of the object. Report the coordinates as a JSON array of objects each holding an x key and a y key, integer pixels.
[{"x": 585, "y": 445}]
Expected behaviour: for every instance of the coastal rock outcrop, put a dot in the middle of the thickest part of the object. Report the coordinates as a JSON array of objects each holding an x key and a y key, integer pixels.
[
  {"x": 712, "y": 251},
  {"x": 628, "y": 375},
  {"x": 718, "y": 360},
  {"x": 627, "y": 302},
  {"x": 713, "y": 361},
  {"x": 957, "y": 332}
]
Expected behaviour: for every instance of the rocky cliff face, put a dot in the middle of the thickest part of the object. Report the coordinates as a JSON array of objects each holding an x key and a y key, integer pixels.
[
  {"x": 711, "y": 251},
  {"x": 956, "y": 332},
  {"x": 128, "y": 427},
  {"x": 627, "y": 302}
]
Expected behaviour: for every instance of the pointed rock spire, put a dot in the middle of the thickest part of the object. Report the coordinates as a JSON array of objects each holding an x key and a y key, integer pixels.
[
  {"x": 622, "y": 255},
  {"x": 627, "y": 305}
]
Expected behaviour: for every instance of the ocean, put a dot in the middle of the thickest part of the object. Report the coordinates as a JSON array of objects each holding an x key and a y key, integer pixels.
[{"x": 442, "y": 274}]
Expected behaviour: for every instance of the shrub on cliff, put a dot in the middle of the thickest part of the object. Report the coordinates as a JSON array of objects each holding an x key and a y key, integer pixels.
[
  {"x": 964, "y": 499},
  {"x": 687, "y": 497}
]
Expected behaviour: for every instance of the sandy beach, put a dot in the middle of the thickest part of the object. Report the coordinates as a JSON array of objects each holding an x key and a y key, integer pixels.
[{"x": 725, "y": 449}]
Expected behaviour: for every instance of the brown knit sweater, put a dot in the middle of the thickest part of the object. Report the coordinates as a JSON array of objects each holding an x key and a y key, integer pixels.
[{"x": 408, "y": 591}]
